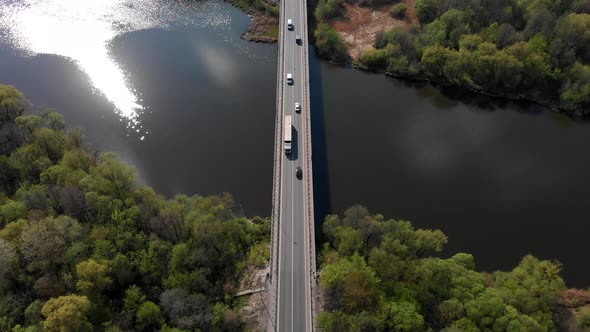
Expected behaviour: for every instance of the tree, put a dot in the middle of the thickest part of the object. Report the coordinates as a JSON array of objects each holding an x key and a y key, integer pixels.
[
  {"x": 374, "y": 59},
  {"x": 336, "y": 321},
  {"x": 110, "y": 177},
  {"x": 426, "y": 10},
  {"x": 33, "y": 315},
  {"x": 48, "y": 286},
  {"x": 449, "y": 311},
  {"x": 45, "y": 241},
  {"x": 329, "y": 44},
  {"x": 584, "y": 317},
  {"x": 11, "y": 211},
  {"x": 29, "y": 124},
  {"x": 93, "y": 276},
  {"x": 226, "y": 319},
  {"x": 187, "y": 311},
  {"x": 149, "y": 316},
  {"x": 398, "y": 10},
  {"x": 485, "y": 309},
  {"x": 8, "y": 261},
  {"x": 433, "y": 61},
  {"x": 404, "y": 317},
  {"x": 67, "y": 313},
  {"x": 572, "y": 33},
  {"x": 12, "y": 103},
  {"x": 11, "y": 137},
  {"x": 55, "y": 121},
  {"x": 350, "y": 285}
]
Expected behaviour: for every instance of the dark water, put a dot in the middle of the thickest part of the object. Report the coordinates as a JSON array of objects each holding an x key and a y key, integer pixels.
[{"x": 501, "y": 180}]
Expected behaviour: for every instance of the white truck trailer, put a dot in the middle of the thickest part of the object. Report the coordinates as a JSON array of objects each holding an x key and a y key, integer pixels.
[{"x": 287, "y": 132}]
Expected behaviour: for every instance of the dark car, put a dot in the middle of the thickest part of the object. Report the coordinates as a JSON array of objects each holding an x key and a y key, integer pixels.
[
  {"x": 298, "y": 39},
  {"x": 298, "y": 172}
]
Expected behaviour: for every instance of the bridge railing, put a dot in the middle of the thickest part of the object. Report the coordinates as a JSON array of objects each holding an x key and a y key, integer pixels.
[
  {"x": 277, "y": 167},
  {"x": 309, "y": 183}
]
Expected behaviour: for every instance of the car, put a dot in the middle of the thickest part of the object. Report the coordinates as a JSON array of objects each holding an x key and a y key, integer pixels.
[
  {"x": 298, "y": 39},
  {"x": 289, "y": 78},
  {"x": 290, "y": 24},
  {"x": 297, "y": 107},
  {"x": 298, "y": 172}
]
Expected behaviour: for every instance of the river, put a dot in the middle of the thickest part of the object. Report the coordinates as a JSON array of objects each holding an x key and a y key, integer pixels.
[{"x": 173, "y": 90}]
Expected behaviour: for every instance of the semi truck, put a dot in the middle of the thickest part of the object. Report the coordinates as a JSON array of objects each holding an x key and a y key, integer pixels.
[{"x": 287, "y": 133}]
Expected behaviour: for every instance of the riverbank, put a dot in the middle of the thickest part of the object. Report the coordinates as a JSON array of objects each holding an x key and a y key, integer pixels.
[
  {"x": 464, "y": 48},
  {"x": 459, "y": 91},
  {"x": 264, "y": 20}
]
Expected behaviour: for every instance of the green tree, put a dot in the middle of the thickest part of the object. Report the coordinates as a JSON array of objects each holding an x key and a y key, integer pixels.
[
  {"x": 12, "y": 103},
  {"x": 149, "y": 316},
  {"x": 329, "y": 44},
  {"x": 485, "y": 309},
  {"x": 403, "y": 317},
  {"x": 350, "y": 284},
  {"x": 427, "y": 10},
  {"x": 584, "y": 317},
  {"x": 433, "y": 61},
  {"x": 398, "y": 10},
  {"x": 110, "y": 177},
  {"x": 336, "y": 321}
]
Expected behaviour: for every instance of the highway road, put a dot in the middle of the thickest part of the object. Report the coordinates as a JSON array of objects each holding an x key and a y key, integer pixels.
[{"x": 294, "y": 299}]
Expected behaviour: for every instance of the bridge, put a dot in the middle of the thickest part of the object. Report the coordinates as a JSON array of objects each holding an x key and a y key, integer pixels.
[{"x": 292, "y": 285}]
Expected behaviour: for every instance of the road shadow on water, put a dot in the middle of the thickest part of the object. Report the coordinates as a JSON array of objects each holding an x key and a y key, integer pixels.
[{"x": 321, "y": 181}]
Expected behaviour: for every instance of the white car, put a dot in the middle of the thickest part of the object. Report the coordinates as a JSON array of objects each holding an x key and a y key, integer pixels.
[
  {"x": 290, "y": 24},
  {"x": 289, "y": 78},
  {"x": 297, "y": 107}
]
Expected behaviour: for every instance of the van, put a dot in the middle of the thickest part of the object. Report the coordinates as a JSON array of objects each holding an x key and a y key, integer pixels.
[
  {"x": 289, "y": 78},
  {"x": 290, "y": 24}
]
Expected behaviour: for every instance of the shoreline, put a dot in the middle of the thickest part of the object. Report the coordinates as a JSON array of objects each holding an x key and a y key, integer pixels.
[
  {"x": 547, "y": 104},
  {"x": 264, "y": 26}
]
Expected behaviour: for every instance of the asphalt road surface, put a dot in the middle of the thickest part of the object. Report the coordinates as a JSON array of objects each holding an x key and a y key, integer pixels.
[{"x": 294, "y": 298}]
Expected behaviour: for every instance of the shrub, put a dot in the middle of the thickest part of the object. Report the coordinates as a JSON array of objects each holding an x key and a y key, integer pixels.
[{"x": 398, "y": 11}]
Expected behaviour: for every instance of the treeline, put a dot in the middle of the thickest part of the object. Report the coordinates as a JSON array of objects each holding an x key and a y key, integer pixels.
[
  {"x": 379, "y": 275},
  {"x": 532, "y": 49},
  {"x": 83, "y": 248}
]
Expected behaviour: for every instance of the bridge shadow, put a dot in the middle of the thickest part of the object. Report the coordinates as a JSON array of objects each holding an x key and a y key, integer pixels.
[{"x": 321, "y": 182}]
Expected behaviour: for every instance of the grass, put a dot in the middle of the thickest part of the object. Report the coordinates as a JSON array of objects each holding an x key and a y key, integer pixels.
[
  {"x": 242, "y": 4},
  {"x": 274, "y": 32}
]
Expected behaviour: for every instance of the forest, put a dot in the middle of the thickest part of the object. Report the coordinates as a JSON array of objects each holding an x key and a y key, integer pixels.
[
  {"x": 385, "y": 275},
  {"x": 536, "y": 50},
  {"x": 83, "y": 247}
]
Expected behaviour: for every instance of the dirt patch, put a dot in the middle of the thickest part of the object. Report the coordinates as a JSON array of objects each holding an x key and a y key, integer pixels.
[
  {"x": 359, "y": 25},
  {"x": 263, "y": 28},
  {"x": 255, "y": 313},
  {"x": 567, "y": 309}
]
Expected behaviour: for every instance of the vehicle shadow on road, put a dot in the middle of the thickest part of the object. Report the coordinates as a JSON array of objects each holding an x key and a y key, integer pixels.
[
  {"x": 321, "y": 182},
  {"x": 294, "y": 145}
]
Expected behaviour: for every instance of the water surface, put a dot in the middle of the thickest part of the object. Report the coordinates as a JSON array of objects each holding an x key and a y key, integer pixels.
[{"x": 172, "y": 89}]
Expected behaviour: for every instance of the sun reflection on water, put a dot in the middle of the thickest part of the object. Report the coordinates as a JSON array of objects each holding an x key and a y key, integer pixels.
[{"x": 83, "y": 31}]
